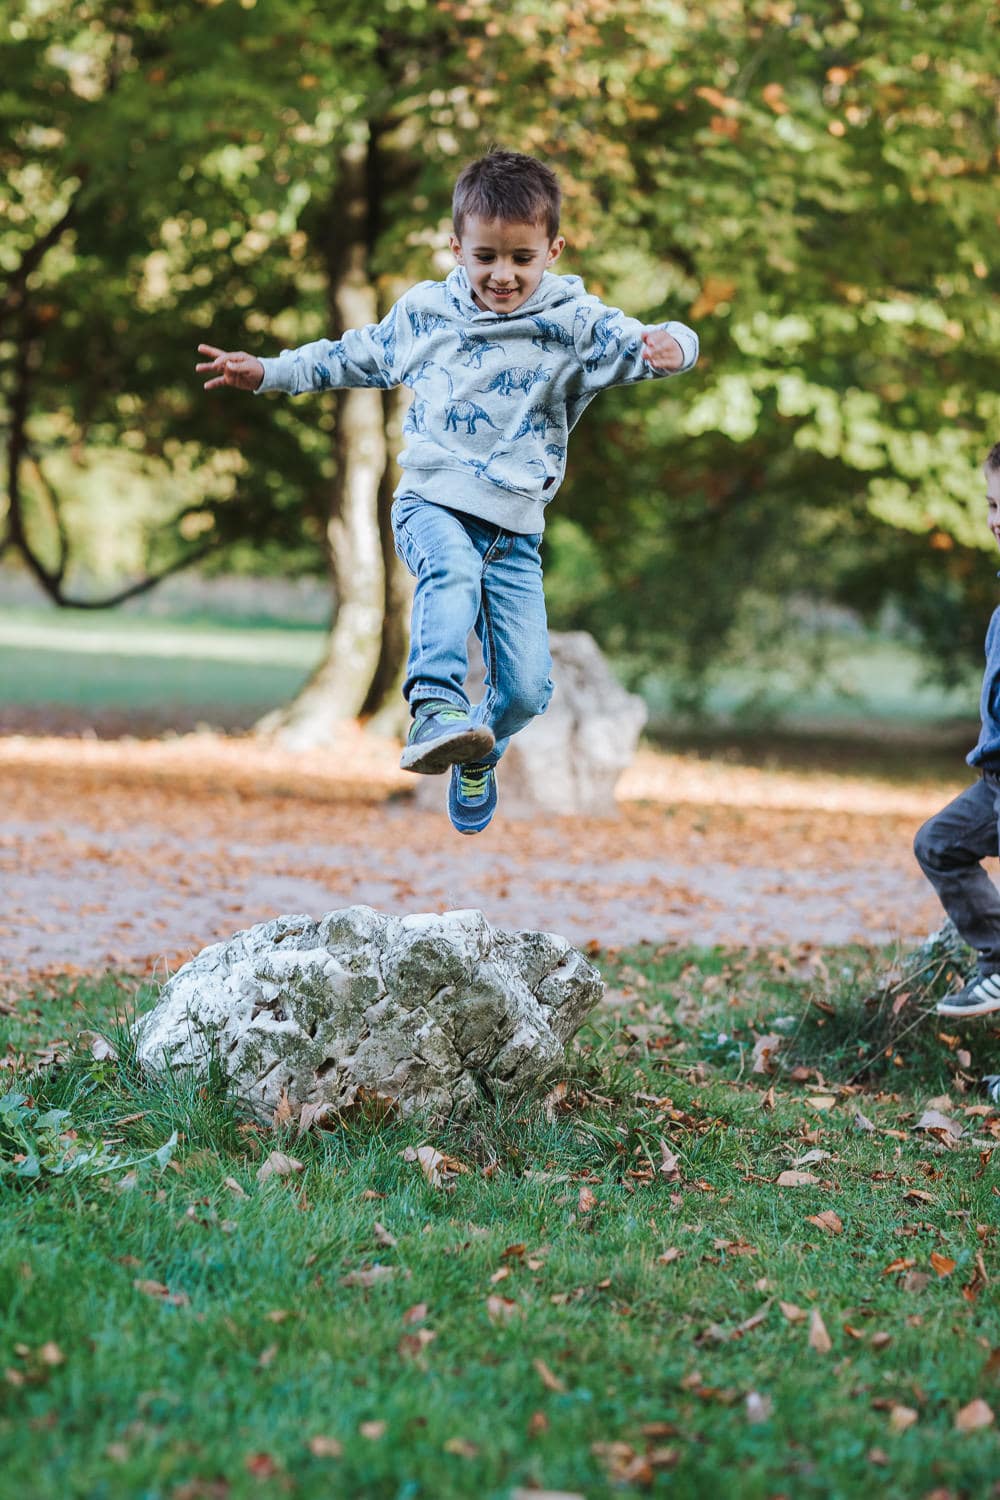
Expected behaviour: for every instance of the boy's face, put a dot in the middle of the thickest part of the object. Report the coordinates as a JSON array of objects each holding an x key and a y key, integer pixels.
[
  {"x": 993, "y": 502},
  {"x": 504, "y": 262}
]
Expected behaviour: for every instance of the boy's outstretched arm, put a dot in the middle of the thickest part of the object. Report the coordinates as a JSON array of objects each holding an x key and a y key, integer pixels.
[
  {"x": 615, "y": 349},
  {"x": 236, "y": 368}
]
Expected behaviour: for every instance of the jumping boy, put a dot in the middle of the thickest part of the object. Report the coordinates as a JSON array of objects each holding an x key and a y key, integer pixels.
[
  {"x": 950, "y": 845},
  {"x": 502, "y": 358}
]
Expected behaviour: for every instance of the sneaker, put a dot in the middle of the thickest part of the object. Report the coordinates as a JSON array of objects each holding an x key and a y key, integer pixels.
[
  {"x": 442, "y": 736},
  {"x": 980, "y": 997},
  {"x": 472, "y": 796},
  {"x": 989, "y": 1087}
]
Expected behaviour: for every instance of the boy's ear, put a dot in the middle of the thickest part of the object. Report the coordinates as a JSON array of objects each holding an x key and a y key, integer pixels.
[
  {"x": 556, "y": 249},
  {"x": 456, "y": 248}
]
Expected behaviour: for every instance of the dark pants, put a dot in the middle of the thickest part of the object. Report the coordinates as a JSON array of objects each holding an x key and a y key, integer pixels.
[{"x": 949, "y": 848}]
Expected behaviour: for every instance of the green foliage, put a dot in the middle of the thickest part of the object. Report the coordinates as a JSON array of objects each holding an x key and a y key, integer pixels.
[
  {"x": 812, "y": 189},
  {"x": 39, "y": 1144}
]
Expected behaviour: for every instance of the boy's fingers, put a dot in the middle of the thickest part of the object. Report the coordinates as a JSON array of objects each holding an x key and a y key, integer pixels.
[{"x": 210, "y": 349}]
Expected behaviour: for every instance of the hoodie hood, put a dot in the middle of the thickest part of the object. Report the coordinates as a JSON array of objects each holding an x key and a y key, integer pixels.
[{"x": 552, "y": 291}]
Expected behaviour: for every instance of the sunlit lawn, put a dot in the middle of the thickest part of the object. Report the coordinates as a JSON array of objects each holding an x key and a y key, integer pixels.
[{"x": 617, "y": 1298}]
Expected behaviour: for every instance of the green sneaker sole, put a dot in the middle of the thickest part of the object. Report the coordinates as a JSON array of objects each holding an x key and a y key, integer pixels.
[{"x": 434, "y": 757}]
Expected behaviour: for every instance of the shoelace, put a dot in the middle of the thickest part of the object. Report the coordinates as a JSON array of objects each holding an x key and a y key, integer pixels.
[{"x": 473, "y": 779}]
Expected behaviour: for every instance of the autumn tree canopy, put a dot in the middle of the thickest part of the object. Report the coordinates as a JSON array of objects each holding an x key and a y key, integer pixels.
[{"x": 815, "y": 192}]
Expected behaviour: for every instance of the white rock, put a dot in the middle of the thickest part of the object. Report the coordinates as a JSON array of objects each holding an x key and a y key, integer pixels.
[{"x": 435, "y": 1010}]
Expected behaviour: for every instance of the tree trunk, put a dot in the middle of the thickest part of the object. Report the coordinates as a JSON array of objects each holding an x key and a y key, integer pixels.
[
  {"x": 341, "y": 684},
  {"x": 384, "y": 707}
]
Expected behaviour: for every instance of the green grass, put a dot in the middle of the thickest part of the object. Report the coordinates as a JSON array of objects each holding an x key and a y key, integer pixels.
[
  {"x": 115, "y": 661},
  {"x": 258, "y": 1346}
]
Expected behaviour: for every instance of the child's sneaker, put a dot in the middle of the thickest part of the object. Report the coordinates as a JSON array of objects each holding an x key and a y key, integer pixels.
[
  {"x": 472, "y": 796},
  {"x": 441, "y": 736},
  {"x": 980, "y": 997},
  {"x": 989, "y": 1087}
]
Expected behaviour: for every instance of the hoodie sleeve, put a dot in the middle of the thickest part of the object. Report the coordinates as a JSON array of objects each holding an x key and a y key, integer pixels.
[
  {"x": 369, "y": 356},
  {"x": 609, "y": 347}
]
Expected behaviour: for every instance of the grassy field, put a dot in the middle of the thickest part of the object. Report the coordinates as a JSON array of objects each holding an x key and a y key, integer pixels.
[
  {"x": 96, "y": 662},
  {"x": 233, "y": 671},
  {"x": 621, "y": 1295}
]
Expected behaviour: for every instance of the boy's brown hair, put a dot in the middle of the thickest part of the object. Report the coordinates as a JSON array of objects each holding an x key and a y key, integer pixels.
[
  {"x": 508, "y": 186},
  {"x": 993, "y": 457}
]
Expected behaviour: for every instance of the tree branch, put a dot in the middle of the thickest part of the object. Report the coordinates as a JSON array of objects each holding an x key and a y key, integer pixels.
[{"x": 31, "y": 259}]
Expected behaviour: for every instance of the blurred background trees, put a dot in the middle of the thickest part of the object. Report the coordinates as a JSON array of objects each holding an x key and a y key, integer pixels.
[{"x": 813, "y": 189}]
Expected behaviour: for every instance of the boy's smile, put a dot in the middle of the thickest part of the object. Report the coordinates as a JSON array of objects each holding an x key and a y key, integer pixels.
[{"x": 504, "y": 262}]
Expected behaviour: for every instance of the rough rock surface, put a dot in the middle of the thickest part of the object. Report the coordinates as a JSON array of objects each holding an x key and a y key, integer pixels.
[
  {"x": 432, "y": 1010},
  {"x": 569, "y": 759}
]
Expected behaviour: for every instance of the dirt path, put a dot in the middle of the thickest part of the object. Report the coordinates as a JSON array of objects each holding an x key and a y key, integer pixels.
[{"x": 134, "y": 855}]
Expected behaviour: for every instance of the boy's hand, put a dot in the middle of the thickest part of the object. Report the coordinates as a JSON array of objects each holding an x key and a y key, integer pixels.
[
  {"x": 235, "y": 368},
  {"x": 661, "y": 350}
]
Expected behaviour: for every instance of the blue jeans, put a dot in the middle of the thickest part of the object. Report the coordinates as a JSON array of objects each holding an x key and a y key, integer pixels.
[
  {"x": 473, "y": 575},
  {"x": 949, "y": 848}
]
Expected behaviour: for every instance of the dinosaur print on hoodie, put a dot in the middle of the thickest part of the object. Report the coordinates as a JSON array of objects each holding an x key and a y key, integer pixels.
[{"x": 487, "y": 441}]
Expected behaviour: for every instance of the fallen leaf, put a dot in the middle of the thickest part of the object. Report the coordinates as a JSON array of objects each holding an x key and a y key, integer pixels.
[
  {"x": 436, "y": 1166},
  {"x": 98, "y": 1046},
  {"x": 278, "y": 1165},
  {"x": 861, "y": 1122},
  {"x": 669, "y": 1163},
  {"x": 819, "y": 1339},
  {"x": 586, "y": 1201},
  {"x": 415, "y": 1314},
  {"x": 974, "y": 1417},
  {"x": 942, "y": 1264},
  {"x": 325, "y": 1447},
  {"x": 501, "y": 1309},
  {"x": 383, "y": 1237},
  {"x": 551, "y": 1382},
  {"x": 411, "y": 1345},
  {"x": 821, "y": 1102},
  {"x": 944, "y": 1129},
  {"x": 880, "y": 1340},
  {"x": 902, "y": 1417},
  {"x": 460, "y": 1446},
  {"x": 669, "y": 1256},
  {"x": 260, "y": 1465},
  {"x": 754, "y": 1321},
  {"x": 500, "y": 1275},
  {"x": 369, "y": 1275},
  {"x": 372, "y": 1430},
  {"x": 827, "y": 1220},
  {"x": 917, "y": 1195},
  {"x": 51, "y": 1354},
  {"x": 282, "y": 1110},
  {"x": 763, "y": 1053},
  {"x": 902, "y": 1264},
  {"x": 553, "y": 1099},
  {"x": 810, "y": 1156},
  {"x": 310, "y": 1115},
  {"x": 914, "y": 1281},
  {"x": 234, "y": 1187},
  {"x": 267, "y": 1356},
  {"x": 792, "y": 1313},
  {"x": 796, "y": 1179}
]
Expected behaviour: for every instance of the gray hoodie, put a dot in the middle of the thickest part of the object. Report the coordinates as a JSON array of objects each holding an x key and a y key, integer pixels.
[{"x": 495, "y": 395}]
